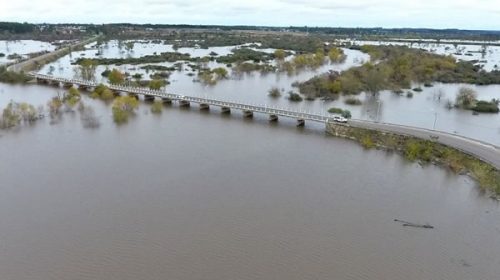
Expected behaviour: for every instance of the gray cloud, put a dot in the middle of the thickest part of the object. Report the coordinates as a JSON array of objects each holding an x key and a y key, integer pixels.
[{"x": 474, "y": 14}]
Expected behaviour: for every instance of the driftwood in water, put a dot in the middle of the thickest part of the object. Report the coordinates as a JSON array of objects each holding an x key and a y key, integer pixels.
[{"x": 410, "y": 224}]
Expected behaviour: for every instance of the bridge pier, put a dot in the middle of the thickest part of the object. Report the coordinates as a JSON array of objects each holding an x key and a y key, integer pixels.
[
  {"x": 248, "y": 114},
  {"x": 67, "y": 85},
  {"x": 301, "y": 122},
  {"x": 131, "y": 94},
  {"x": 149, "y": 98},
  {"x": 83, "y": 87},
  {"x": 273, "y": 118},
  {"x": 166, "y": 100},
  {"x": 42, "y": 81},
  {"x": 225, "y": 110},
  {"x": 184, "y": 103},
  {"x": 55, "y": 83},
  {"x": 204, "y": 107}
]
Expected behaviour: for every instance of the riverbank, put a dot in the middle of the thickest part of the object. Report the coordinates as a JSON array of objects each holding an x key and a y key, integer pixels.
[{"x": 425, "y": 152}]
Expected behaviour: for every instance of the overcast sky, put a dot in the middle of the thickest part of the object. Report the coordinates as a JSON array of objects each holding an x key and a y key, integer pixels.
[{"x": 465, "y": 14}]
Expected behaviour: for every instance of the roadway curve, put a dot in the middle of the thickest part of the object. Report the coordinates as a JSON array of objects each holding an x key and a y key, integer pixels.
[{"x": 484, "y": 151}]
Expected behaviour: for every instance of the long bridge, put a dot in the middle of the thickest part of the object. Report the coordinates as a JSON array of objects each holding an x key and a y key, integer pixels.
[
  {"x": 487, "y": 152},
  {"x": 204, "y": 103}
]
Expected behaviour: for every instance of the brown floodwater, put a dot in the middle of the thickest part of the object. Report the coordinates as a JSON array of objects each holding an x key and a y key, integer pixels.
[{"x": 190, "y": 195}]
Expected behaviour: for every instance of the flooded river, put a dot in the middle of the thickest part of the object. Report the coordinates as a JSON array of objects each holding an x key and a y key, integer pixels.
[{"x": 191, "y": 195}]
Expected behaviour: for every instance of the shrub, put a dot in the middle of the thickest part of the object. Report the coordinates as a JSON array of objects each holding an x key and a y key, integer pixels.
[
  {"x": 367, "y": 142},
  {"x": 346, "y": 114},
  {"x": 274, "y": 92},
  {"x": 409, "y": 94},
  {"x": 334, "y": 110},
  {"x": 486, "y": 107},
  {"x": 353, "y": 101},
  {"x": 122, "y": 107},
  {"x": 157, "y": 107},
  {"x": 295, "y": 97}
]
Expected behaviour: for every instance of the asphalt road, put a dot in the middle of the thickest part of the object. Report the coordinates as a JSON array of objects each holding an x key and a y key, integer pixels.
[{"x": 486, "y": 152}]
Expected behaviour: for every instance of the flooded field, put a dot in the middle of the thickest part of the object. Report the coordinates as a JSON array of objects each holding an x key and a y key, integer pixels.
[
  {"x": 22, "y": 48},
  {"x": 426, "y": 109}
]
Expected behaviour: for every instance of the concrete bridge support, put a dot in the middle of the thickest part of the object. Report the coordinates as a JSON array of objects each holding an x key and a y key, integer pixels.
[
  {"x": 42, "y": 81},
  {"x": 67, "y": 85},
  {"x": 56, "y": 83},
  {"x": 131, "y": 94},
  {"x": 166, "y": 100},
  {"x": 204, "y": 107},
  {"x": 273, "y": 118},
  {"x": 184, "y": 103},
  {"x": 248, "y": 114},
  {"x": 225, "y": 110},
  {"x": 83, "y": 87},
  {"x": 149, "y": 98},
  {"x": 301, "y": 122}
]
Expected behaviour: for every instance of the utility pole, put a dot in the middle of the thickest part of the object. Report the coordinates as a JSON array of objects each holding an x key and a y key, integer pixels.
[
  {"x": 378, "y": 111},
  {"x": 435, "y": 120}
]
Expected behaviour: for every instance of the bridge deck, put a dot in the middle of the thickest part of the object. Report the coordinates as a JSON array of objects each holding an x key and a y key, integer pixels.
[{"x": 271, "y": 110}]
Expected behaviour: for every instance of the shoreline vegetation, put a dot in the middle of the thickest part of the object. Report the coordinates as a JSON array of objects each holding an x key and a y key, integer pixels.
[
  {"x": 424, "y": 152},
  {"x": 396, "y": 68}
]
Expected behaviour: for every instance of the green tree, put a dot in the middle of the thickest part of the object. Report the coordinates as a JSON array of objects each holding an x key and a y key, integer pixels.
[
  {"x": 87, "y": 68},
  {"x": 123, "y": 107},
  {"x": 116, "y": 77},
  {"x": 156, "y": 84},
  {"x": 279, "y": 54}
]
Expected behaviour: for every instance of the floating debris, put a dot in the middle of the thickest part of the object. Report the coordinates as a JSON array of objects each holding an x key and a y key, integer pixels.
[{"x": 410, "y": 224}]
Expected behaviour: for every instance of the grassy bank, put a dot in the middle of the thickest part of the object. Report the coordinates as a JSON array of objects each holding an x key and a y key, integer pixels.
[{"x": 425, "y": 152}]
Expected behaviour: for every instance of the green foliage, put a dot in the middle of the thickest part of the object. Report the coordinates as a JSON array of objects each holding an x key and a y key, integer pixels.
[
  {"x": 396, "y": 68},
  {"x": 367, "y": 142},
  {"x": 12, "y": 77},
  {"x": 274, "y": 92},
  {"x": 163, "y": 57},
  {"x": 279, "y": 54},
  {"x": 72, "y": 97},
  {"x": 336, "y": 55},
  {"x": 102, "y": 92},
  {"x": 87, "y": 68},
  {"x": 116, "y": 77},
  {"x": 221, "y": 72},
  {"x": 55, "y": 105},
  {"x": 123, "y": 107},
  {"x": 244, "y": 54},
  {"x": 353, "y": 101},
  {"x": 486, "y": 107},
  {"x": 157, "y": 107},
  {"x": 156, "y": 84},
  {"x": 294, "y": 97},
  {"x": 335, "y": 110},
  {"x": 346, "y": 114},
  {"x": 212, "y": 76}
]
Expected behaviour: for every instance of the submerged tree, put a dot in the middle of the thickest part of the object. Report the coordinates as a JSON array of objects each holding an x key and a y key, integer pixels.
[
  {"x": 123, "y": 107},
  {"x": 87, "y": 69},
  {"x": 466, "y": 97}
]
